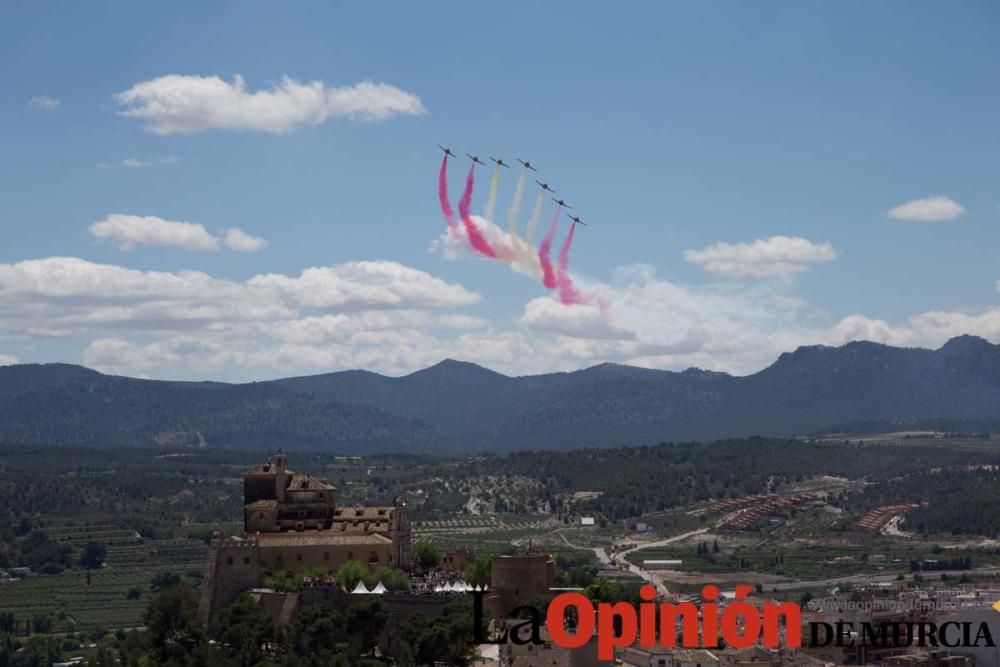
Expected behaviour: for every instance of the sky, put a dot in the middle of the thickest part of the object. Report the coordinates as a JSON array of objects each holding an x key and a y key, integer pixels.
[{"x": 243, "y": 191}]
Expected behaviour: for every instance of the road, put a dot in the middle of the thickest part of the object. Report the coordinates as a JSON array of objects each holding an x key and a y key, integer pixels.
[
  {"x": 877, "y": 578},
  {"x": 620, "y": 561},
  {"x": 648, "y": 575}
]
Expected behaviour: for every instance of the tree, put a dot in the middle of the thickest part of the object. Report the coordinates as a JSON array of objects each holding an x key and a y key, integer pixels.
[
  {"x": 134, "y": 649},
  {"x": 38, "y": 651},
  {"x": 93, "y": 555},
  {"x": 104, "y": 656},
  {"x": 288, "y": 581},
  {"x": 173, "y": 626},
  {"x": 427, "y": 640},
  {"x": 602, "y": 590},
  {"x": 41, "y": 623},
  {"x": 426, "y": 555},
  {"x": 391, "y": 578},
  {"x": 282, "y": 580},
  {"x": 164, "y": 580},
  {"x": 367, "y": 620},
  {"x": 478, "y": 573},
  {"x": 350, "y": 573},
  {"x": 315, "y": 631},
  {"x": 244, "y": 631}
]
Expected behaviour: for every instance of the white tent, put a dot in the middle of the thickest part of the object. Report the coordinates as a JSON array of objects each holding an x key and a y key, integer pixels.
[
  {"x": 360, "y": 589},
  {"x": 439, "y": 588},
  {"x": 461, "y": 586},
  {"x": 447, "y": 588},
  {"x": 380, "y": 589}
]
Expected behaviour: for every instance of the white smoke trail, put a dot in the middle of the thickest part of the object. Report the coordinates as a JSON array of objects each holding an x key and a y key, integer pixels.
[
  {"x": 491, "y": 200},
  {"x": 536, "y": 215},
  {"x": 515, "y": 208},
  {"x": 522, "y": 256}
]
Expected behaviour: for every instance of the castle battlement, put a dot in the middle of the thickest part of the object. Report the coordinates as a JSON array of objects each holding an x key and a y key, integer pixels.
[{"x": 292, "y": 523}]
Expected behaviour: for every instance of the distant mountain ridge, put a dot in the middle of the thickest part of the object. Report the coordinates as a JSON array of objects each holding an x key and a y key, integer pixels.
[{"x": 457, "y": 406}]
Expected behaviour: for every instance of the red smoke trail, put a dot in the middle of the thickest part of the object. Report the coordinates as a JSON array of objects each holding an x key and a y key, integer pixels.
[
  {"x": 545, "y": 251},
  {"x": 449, "y": 215},
  {"x": 476, "y": 239},
  {"x": 568, "y": 293}
]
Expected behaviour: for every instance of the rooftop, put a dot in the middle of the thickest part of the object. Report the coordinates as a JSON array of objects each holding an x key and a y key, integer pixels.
[
  {"x": 362, "y": 513},
  {"x": 319, "y": 538},
  {"x": 302, "y": 482}
]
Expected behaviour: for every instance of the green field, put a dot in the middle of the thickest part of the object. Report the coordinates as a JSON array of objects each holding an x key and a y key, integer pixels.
[
  {"x": 487, "y": 534},
  {"x": 809, "y": 561},
  {"x": 73, "y": 604}
]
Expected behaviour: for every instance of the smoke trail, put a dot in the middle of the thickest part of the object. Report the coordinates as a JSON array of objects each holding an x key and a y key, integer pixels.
[
  {"x": 568, "y": 293},
  {"x": 545, "y": 252},
  {"x": 491, "y": 200},
  {"x": 449, "y": 215},
  {"x": 536, "y": 215},
  {"x": 476, "y": 238},
  {"x": 515, "y": 207}
]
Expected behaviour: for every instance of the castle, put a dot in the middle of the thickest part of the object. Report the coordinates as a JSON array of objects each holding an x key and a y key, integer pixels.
[{"x": 291, "y": 522}]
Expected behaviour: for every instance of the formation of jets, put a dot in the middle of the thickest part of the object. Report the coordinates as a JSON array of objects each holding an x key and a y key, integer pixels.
[{"x": 527, "y": 165}]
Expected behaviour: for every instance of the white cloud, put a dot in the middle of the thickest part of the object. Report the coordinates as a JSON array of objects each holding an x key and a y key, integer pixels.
[
  {"x": 66, "y": 296},
  {"x": 360, "y": 285},
  {"x": 391, "y": 318},
  {"x": 148, "y": 230},
  {"x": 588, "y": 321},
  {"x": 238, "y": 240},
  {"x": 133, "y": 230},
  {"x": 185, "y": 104},
  {"x": 929, "y": 329},
  {"x": 353, "y": 327},
  {"x": 136, "y": 163},
  {"x": 8, "y": 360},
  {"x": 43, "y": 103},
  {"x": 115, "y": 355},
  {"x": 930, "y": 209},
  {"x": 763, "y": 258}
]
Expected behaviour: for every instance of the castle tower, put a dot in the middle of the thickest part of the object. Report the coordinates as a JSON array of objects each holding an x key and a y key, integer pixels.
[
  {"x": 400, "y": 532},
  {"x": 279, "y": 478}
]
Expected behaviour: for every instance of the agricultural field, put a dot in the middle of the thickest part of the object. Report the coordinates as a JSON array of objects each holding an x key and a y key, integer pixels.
[
  {"x": 153, "y": 511},
  {"x": 808, "y": 560},
  {"x": 110, "y": 597},
  {"x": 493, "y": 534}
]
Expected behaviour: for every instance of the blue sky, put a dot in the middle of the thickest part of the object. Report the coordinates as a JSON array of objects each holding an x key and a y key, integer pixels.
[{"x": 670, "y": 127}]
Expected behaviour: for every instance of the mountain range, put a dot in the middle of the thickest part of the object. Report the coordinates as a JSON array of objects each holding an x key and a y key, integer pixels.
[{"x": 459, "y": 407}]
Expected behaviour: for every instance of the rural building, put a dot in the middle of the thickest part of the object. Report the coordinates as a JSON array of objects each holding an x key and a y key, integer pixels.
[
  {"x": 292, "y": 522},
  {"x": 517, "y": 580},
  {"x": 455, "y": 560}
]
